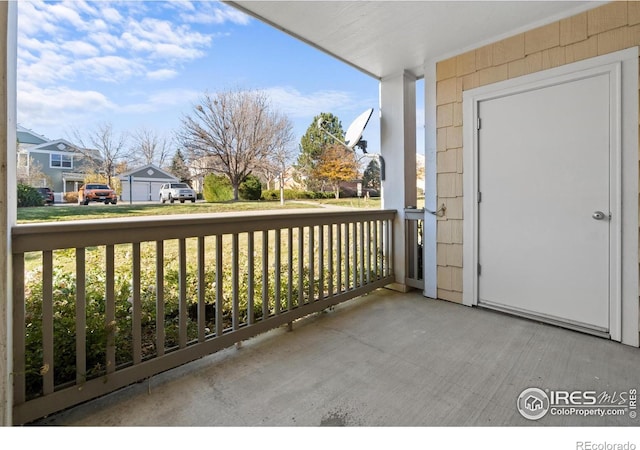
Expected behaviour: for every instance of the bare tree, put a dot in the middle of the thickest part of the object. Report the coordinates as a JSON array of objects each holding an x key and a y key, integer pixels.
[
  {"x": 149, "y": 147},
  {"x": 29, "y": 171},
  {"x": 234, "y": 133},
  {"x": 105, "y": 149}
]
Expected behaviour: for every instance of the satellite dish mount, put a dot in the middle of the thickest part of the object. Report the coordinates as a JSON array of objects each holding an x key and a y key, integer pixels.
[{"x": 353, "y": 137}]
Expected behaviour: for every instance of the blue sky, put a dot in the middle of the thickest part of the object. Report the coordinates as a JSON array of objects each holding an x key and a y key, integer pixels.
[{"x": 145, "y": 63}]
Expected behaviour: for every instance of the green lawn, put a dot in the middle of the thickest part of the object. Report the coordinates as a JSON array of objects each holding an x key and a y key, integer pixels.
[
  {"x": 100, "y": 211},
  {"x": 73, "y": 211}
]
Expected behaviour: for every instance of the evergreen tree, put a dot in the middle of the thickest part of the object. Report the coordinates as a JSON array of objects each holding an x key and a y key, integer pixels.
[
  {"x": 179, "y": 167},
  {"x": 371, "y": 175},
  {"x": 313, "y": 144}
]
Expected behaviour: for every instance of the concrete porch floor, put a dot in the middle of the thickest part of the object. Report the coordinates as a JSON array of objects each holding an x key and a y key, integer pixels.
[{"x": 385, "y": 359}]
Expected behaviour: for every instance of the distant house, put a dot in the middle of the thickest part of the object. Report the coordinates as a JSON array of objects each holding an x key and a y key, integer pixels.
[
  {"x": 143, "y": 183},
  {"x": 63, "y": 166}
]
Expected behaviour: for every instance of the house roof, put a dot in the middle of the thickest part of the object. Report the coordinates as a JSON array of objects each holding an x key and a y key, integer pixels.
[
  {"x": 385, "y": 38},
  {"x": 150, "y": 172},
  {"x": 26, "y": 136},
  {"x": 59, "y": 145}
]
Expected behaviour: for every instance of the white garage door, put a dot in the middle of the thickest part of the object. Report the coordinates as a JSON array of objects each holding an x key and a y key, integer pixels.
[
  {"x": 140, "y": 191},
  {"x": 543, "y": 212}
]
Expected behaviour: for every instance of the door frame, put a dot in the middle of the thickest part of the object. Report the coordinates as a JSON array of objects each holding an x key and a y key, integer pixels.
[{"x": 622, "y": 68}]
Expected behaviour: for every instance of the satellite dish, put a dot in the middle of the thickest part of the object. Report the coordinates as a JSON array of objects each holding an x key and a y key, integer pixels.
[
  {"x": 355, "y": 130},
  {"x": 353, "y": 137}
]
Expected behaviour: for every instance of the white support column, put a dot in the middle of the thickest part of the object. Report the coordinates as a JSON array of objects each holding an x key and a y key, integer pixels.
[
  {"x": 398, "y": 148},
  {"x": 429, "y": 236},
  {"x": 8, "y": 57}
]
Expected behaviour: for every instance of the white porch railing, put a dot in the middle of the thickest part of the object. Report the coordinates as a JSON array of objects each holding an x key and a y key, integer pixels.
[{"x": 99, "y": 305}]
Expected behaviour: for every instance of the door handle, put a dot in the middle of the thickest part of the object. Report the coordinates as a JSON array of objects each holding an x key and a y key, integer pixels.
[{"x": 598, "y": 215}]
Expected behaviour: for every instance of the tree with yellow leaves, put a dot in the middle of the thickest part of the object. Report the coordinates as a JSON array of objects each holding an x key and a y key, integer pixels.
[{"x": 336, "y": 164}]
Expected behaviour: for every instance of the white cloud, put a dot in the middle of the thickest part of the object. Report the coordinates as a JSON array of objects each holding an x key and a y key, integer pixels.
[
  {"x": 111, "y": 69},
  {"x": 296, "y": 104},
  {"x": 71, "y": 55},
  {"x": 162, "y": 74},
  {"x": 65, "y": 13},
  {"x": 111, "y": 15},
  {"x": 80, "y": 48},
  {"x": 59, "y": 106},
  {"x": 208, "y": 12},
  {"x": 163, "y": 100}
]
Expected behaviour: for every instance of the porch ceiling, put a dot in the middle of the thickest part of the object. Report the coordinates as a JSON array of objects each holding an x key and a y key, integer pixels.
[{"x": 383, "y": 38}]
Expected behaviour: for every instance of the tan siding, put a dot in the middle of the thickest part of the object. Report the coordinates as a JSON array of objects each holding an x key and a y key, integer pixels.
[
  {"x": 542, "y": 38},
  {"x": 633, "y": 11},
  {"x": 606, "y": 17},
  {"x": 508, "y": 50},
  {"x": 605, "y": 29},
  {"x": 573, "y": 29},
  {"x": 446, "y": 69},
  {"x": 466, "y": 63},
  {"x": 484, "y": 57}
]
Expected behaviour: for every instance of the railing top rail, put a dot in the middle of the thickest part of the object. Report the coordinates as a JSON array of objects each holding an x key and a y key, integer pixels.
[
  {"x": 414, "y": 214},
  {"x": 85, "y": 233}
]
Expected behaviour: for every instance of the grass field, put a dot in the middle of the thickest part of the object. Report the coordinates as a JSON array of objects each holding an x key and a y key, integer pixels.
[{"x": 100, "y": 211}]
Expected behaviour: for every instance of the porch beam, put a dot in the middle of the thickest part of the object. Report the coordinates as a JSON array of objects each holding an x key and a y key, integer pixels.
[{"x": 398, "y": 148}]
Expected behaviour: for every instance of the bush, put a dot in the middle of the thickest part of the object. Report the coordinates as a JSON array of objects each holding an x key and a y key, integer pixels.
[
  {"x": 71, "y": 197},
  {"x": 217, "y": 188},
  {"x": 250, "y": 188},
  {"x": 294, "y": 194},
  {"x": 28, "y": 196}
]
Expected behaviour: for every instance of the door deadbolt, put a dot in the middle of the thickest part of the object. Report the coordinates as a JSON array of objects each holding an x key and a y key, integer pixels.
[{"x": 598, "y": 215}]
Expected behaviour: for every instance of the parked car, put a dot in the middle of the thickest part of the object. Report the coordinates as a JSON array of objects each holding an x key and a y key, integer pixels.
[
  {"x": 96, "y": 192},
  {"x": 47, "y": 195},
  {"x": 177, "y": 191}
]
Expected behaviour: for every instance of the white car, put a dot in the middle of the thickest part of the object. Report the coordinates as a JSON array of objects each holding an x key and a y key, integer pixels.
[{"x": 177, "y": 191}]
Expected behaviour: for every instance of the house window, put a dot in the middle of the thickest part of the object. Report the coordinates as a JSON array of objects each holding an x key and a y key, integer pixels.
[{"x": 61, "y": 160}]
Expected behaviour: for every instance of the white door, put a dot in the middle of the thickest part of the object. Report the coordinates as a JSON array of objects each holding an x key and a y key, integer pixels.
[{"x": 543, "y": 172}]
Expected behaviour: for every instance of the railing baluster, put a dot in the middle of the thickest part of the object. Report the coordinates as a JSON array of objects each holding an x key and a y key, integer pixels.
[
  {"x": 290, "y": 269},
  {"x": 47, "y": 322},
  {"x": 368, "y": 248},
  {"x": 137, "y": 307},
  {"x": 19, "y": 329},
  {"x": 360, "y": 227},
  {"x": 347, "y": 259},
  {"x": 300, "y": 266},
  {"x": 110, "y": 307},
  {"x": 339, "y": 257},
  {"x": 202, "y": 319},
  {"x": 160, "y": 334},
  {"x": 81, "y": 318},
  {"x": 234, "y": 281},
  {"x": 182, "y": 293},
  {"x": 311, "y": 263},
  {"x": 277, "y": 273},
  {"x": 265, "y": 274},
  {"x": 381, "y": 245},
  {"x": 376, "y": 249},
  {"x": 219, "y": 274},
  {"x": 330, "y": 258},
  {"x": 250, "y": 278},
  {"x": 320, "y": 262}
]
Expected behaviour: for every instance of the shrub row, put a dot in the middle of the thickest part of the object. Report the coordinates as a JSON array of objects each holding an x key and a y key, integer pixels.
[{"x": 294, "y": 194}]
